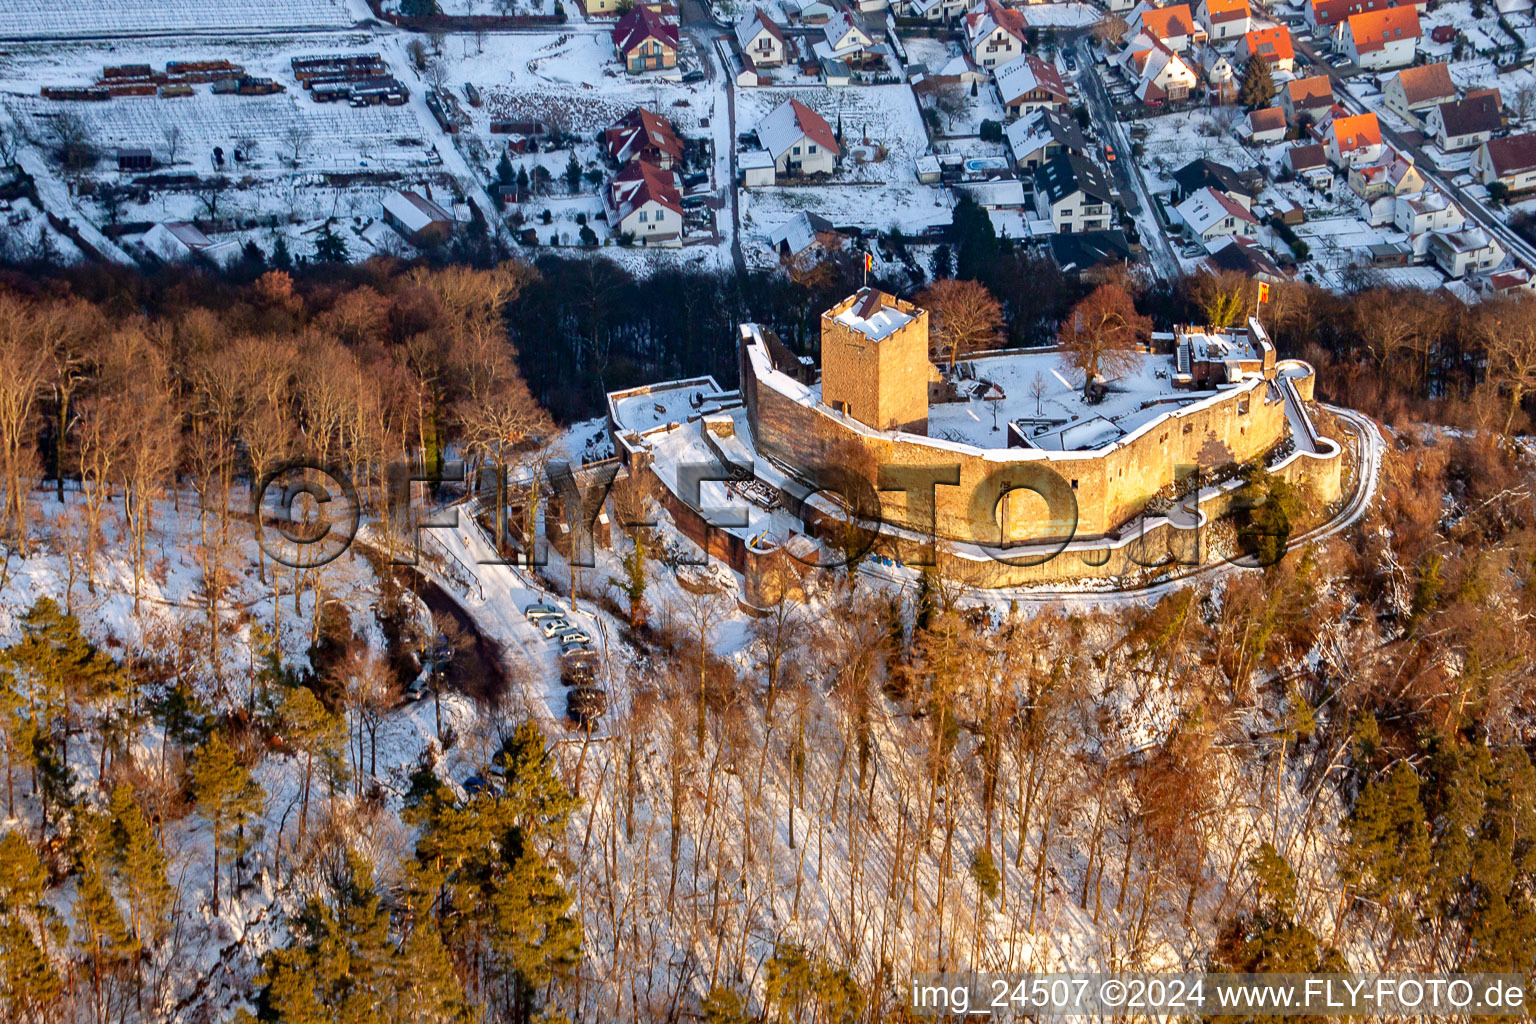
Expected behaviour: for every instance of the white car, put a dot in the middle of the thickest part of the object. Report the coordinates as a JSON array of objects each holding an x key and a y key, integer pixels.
[
  {"x": 553, "y": 626},
  {"x": 574, "y": 638},
  {"x": 542, "y": 611}
]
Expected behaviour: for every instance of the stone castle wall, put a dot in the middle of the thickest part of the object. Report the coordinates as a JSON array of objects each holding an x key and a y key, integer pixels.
[{"x": 1110, "y": 485}]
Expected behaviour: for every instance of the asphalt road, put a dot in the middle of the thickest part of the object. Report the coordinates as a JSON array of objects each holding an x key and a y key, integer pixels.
[
  {"x": 1126, "y": 172},
  {"x": 1474, "y": 207}
]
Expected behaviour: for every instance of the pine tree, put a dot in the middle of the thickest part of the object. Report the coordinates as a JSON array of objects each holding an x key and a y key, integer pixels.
[
  {"x": 227, "y": 798},
  {"x": 1387, "y": 858},
  {"x": 1258, "y": 88},
  {"x": 281, "y": 258},
  {"x": 535, "y": 938},
  {"x": 504, "y": 172},
  {"x": 427, "y": 991},
  {"x": 138, "y": 864},
  {"x": 29, "y": 983},
  {"x": 722, "y": 1006},
  {"x": 54, "y": 665},
  {"x": 329, "y": 246},
  {"x": 522, "y": 182},
  {"x": 1269, "y": 940},
  {"x": 101, "y": 936},
  {"x": 315, "y": 732},
  {"x": 536, "y": 804}
]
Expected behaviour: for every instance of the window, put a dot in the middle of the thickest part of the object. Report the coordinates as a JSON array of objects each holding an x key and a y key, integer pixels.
[
  {"x": 796, "y": 151},
  {"x": 1242, "y": 406},
  {"x": 643, "y": 216},
  {"x": 1074, "y": 485},
  {"x": 811, "y": 148}
]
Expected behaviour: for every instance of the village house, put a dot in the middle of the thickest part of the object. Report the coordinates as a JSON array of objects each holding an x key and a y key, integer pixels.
[
  {"x": 801, "y": 233},
  {"x": 645, "y": 39},
  {"x": 1272, "y": 45},
  {"x": 1508, "y": 282},
  {"x": 1413, "y": 92},
  {"x": 799, "y": 140},
  {"x": 1510, "y": 161},
  {"x": 761, "y": 40},
  {"x": 931, "y": 10},
  {"x": 1417, "y": 215},
  {"x": 1351, "y": 140},
  {"x": 1466, "y": 123},
  {"x": 1322, "y": 16},
  {"x": 1037, "y": 137},
  {"x": 1309, "y": 98},
  {"x": 1224, "y": 19},
  {"x": 1266, "y": 126},
  {"x": 1390, "y": 174},
  {"x": 643, "y": 201},
  {"x": 1202, "y": 173},
  {"x": 845, "y": 39},
  {"x": 1030, "y": 84},
  {"x": 1209, "y": 214},
  {"x": 1174, "y": 26},
  {"x": 1091, "y": 256},
  {"x": 995, "y": 34},
  {"x": 1309, "y": 163},
  {"x": 1470, "y": 250},
  {"x": 1160, "y": 74},
  {"x": 810, "y": 12},
  {"x": 1387, "y": 38},
  {"x": 1242, "y": 255},
  {"x": 418, "y": 218},
  {"x": 1073, "y": 193},
  {"x": 1221, "y": 80},
  {"x": 179, "y": 242},
  {"x": 644, "y": 135}
]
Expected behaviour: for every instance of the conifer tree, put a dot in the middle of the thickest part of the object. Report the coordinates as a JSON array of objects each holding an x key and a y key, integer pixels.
[
  {"x": 227, "y": 798},
  {"x": 1387, "y": 858},
  {"x": 1258, "y": 88},
  {"x": 29, "y": 983},
  {"x": 315, "y": 732},
  {"x": 138, "y": 864},
  {"x": 102, "y": 938},
  {"x": 504, "y": 172}
]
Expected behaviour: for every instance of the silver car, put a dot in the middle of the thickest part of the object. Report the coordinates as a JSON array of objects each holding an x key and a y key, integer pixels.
[{"x": 553, "y": 626}]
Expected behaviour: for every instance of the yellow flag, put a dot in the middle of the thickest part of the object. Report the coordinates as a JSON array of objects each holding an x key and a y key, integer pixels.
[{"x": 1263, "y": 291}]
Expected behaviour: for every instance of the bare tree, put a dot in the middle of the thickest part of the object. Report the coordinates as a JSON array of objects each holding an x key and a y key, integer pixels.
[
  {"x": 170, "y": 134},
  {"x": 965, "y": 316},
  {"x": 1037, "y": 388},
  {"x": 437, "y": 73},
  {"x": 1101, "y": 333},
  {"x": 949, "y": 100},
  {"x": 295, "y": 139},
  {"x": 1507, "y": 328}
]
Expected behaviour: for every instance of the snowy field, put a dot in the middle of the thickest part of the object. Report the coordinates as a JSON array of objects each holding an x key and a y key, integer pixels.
[
  {"x": 77, "y": 18},
  {"x": 329, "y": 136}
]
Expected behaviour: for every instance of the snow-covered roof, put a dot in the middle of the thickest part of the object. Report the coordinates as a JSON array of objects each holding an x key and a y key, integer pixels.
[
  {"x": 1208, "y": 208},
  {"x": 799, "y": 232},
  {"x": 1023, "y": 76},
  {"x": 871, "y": 317},
  {"x": 415, "y": 212}
]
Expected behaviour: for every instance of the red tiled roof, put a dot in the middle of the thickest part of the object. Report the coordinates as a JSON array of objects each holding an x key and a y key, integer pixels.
[
  {"x": 643, "y": 133},
  {"x": 1273, "y": 44},
  {"x": 642, "y": 182},
  {"x": 1512, "y": 154},
  {"x": 1372, "y": 30},
  {"x": 1316, "y": 91},
  {"x": 1226, "y": 10},
  {"x": 1356, "y": 132},
  {"x": 1168, "y": 22},
  {"x": 1426, "y": 82},
  {"x": 641, "y": 24}
]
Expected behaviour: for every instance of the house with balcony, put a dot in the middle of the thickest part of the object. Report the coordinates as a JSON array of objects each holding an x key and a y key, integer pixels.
[
  {"x": 645, "y": 39},
  {"x": 1073, "y": 194}
]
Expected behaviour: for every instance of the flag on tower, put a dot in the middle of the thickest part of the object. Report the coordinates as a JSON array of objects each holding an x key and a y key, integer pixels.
[
  {"x": 869, "y": 262},
  {"x": 1263, "y": 291}
]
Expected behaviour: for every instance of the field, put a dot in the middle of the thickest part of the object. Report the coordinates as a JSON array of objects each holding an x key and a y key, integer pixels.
[{"x": 117, "y": 18}]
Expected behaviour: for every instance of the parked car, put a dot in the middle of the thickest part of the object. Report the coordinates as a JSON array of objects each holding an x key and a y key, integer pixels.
[
  {"x": 543, "y": 611},
  {"x": 1071, "y": 62},
  {"x": 584, "y": 705},
  {"x": 553, "y": 626},
  {"x": 696, "y": 75},
  {"x": 574, "y": 635}
]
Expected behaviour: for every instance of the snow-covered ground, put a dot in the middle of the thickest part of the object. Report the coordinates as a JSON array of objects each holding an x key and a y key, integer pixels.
[{"x": 116, "y": 18}]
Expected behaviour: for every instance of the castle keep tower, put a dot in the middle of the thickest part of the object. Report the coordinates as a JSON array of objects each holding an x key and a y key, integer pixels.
[{"x": 874, "y": 361}]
